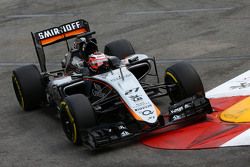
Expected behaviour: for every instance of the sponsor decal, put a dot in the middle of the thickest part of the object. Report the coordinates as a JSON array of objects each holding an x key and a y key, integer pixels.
[
  {"x": 143, "y": 107},
  {"x": 147, "y": 112},
  {"x": 238, "y": 86},
  {"x": 177, "y": 110},
  {"x": 180, "y": 109},
  {"x": 115, "y": 79},
  {"x": 123, "y": 130},
  {"x": 141, "y": 104},
  {"x": 125, "y": 133},
  {"x": 98, "y": 91},
  {"x": 121, "y": 127},
  {"x": 119, "y": 77},
  {"x": 136, "y": 98},
  {"x": 151, "y": 117},
  {"x": 58, "y": 30},
  {"x": 241, "y": 86},
  {"x": 131, "y": 90},
  {"x": 176, "y": 117}
]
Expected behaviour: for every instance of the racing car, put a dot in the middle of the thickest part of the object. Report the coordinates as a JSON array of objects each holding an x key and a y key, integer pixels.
[{"x": 104, "y": 98}]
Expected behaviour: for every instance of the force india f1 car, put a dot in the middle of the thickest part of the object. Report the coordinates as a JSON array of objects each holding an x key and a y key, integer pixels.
[{"x": 103, "y": 98}]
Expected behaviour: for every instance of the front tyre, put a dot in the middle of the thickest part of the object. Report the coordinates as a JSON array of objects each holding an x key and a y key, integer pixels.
[
  {"x": 28, "y": 87},
  {"x": 76, "y": 116},
  {"x": 186, "y": 80}
]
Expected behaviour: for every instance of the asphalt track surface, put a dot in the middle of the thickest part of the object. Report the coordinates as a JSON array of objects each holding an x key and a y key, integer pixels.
[{"x": 213, "y": 36}]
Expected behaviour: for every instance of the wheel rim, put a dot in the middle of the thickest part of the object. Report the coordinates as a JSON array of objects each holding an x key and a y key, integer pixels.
[
  {"x": 68, "y": 122},
  {"x": 18, "y": 91}
]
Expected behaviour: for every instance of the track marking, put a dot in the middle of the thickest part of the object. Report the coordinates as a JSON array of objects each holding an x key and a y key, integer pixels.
[
  {"x": 11, "y": 64},
  {"x": 240, "y": 140},
  {"x": 238, "y": 86},
  {"x": 39, "y": 15},
  {"x": 237, "y": 113},
  {"x": 179, "y": 11}
]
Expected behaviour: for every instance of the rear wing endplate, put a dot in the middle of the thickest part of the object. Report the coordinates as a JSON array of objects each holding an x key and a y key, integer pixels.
[{"x": 54, "y": 35}]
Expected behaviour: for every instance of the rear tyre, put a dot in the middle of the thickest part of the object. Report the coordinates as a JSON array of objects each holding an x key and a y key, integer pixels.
[
  {"x": 123, "y": 48},
  {"x": 76, "y": 116},
  {"x": 187, "y": 80},
  {"x": 28, "y": 87},
  {"x": 120, "y": 48}
]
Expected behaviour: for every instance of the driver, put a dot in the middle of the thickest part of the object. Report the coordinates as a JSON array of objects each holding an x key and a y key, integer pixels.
[
  {"x": 98, "y": 62},
  {"x": 86, "y": 59}
]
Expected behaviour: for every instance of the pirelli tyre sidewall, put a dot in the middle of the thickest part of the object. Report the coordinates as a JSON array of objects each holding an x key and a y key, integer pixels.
[
  {"x": 120, "y": 48},
  {"x": 77, "y": 116},
  {"x": 28, "y": 87},
  {"x": 187, "y": 80}
]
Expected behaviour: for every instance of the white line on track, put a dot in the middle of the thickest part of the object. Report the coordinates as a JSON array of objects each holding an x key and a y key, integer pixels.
[
  {"x": 127, "y": 13},
  {"x": 39, "y": 15},
  {"x": 239, "y": 140},
  {"x": 23, "y": 64},
  {"x": 179, "y": 11}
]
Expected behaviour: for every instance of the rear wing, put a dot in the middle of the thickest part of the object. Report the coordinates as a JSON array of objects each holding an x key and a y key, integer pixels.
[{"x": 54, "y": 35}]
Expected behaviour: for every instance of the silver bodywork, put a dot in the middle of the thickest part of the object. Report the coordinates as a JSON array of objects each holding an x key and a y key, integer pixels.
[
  {"x": 132, "y": 93},
  {"x": 122, "y": 80}
]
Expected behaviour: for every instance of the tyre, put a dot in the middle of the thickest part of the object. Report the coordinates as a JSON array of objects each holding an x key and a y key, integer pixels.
[
  {"x": 28, "y": 87},
  {"x": 119, "y": 48},
  {"x": 187, "y": 80},
  {"x": 76, "y": 116}
]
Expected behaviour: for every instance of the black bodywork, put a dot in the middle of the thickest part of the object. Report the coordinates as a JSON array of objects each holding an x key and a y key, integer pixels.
[{"x": 39, "y": 47}]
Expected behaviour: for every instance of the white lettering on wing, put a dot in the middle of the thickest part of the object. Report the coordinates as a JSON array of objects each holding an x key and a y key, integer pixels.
[
  {"x": 78, "y": 24},
  {"x": 56, "y": 31},
  {"x": 47, "y": 34},
  {"x": 40, "y": 34}
]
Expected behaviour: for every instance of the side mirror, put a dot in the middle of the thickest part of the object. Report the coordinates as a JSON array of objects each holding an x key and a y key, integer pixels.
[{"x": 114, "y": 61}]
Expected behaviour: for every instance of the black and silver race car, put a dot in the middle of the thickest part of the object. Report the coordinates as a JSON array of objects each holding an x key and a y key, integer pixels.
[{"x": 103, "y": 98}]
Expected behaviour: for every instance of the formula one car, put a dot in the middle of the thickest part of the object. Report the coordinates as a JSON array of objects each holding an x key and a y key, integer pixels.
[{"x": 103, "y": 98}]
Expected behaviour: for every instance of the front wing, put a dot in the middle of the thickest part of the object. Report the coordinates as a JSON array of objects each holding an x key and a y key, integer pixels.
[{"x": 186, "y": 112}]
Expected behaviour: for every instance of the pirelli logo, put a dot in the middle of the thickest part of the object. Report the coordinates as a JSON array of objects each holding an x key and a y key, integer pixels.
[{"x": 54, "y": 34}]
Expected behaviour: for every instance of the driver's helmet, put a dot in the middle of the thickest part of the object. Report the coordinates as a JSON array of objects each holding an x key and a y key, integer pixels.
[
  {"x": 85, "y": 46},
  {"x": 98, "y": 62},
  {"x": 79, "y": 43}
]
